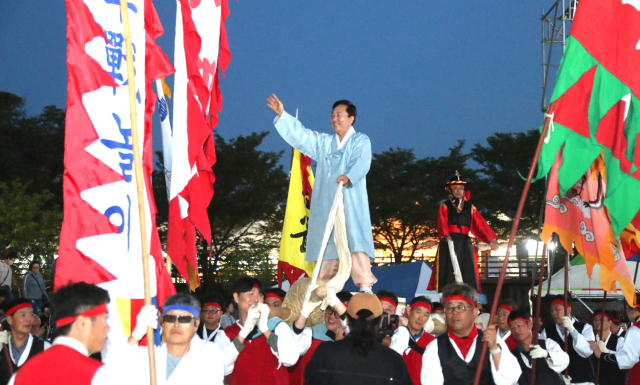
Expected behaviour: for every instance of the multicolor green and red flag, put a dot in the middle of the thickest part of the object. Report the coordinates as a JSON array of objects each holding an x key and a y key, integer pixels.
[{"x": 594, "y": 103}]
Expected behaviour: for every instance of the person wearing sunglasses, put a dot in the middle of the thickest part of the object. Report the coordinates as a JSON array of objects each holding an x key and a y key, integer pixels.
[
  {"x": 453, "y": 357},
  {"x": 183, "y": 354},
  {"x": 269, "y": 346}
]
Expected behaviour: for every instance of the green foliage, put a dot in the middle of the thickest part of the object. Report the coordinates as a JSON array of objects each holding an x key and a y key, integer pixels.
[
  {"x": 245, "y": 213},
  {"x": 29, "y": 225},
  {"x": 404, "y": 195},
  {"x": 503, "y": 163},
  {"x": 31, "y": 155},
  {"x": 32, "y": 148}
]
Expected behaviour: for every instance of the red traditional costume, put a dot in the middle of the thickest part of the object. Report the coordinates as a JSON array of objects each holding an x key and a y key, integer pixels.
[{"x": 457, "y": 218}]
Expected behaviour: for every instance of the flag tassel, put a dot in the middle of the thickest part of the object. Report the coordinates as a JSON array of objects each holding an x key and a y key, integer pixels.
[
  {"x": 512, "y": 237},
  {"x": 536, "y": 319},
  {"x": 139, "y": 183}
]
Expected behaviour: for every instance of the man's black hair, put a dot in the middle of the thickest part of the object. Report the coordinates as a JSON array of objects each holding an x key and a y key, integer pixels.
[
  {"x": 436, "y": 305},
  {"x": 75, "y": 299},
  {"x": 560, "y": 297},
  {"x": 421, "y": 298},
  {"x": 351, "y": 108},
  {"x": 508, "y": 302},
  {"x": 517, "y": 313},
  {"x": 245, "y": 284},
  {"x": 276, "y": 290},
  {"x": 344, "y": 296},
  {"x": 388, "y": 294}
]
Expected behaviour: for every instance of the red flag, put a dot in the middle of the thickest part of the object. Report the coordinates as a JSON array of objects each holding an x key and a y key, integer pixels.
[
  {"x": 100, "y": 238},
  {"x": 201, "y": 48}
]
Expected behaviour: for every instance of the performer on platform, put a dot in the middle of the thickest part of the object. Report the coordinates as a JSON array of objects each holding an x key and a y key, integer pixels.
[
  {"x": 410, "y": 341},
  {"x": 342, "y": 157},
  {"x": 579, "y": 333},
  {"x": 552, "y": 360},
  {"x": 610, "y": 373},
  {"x": 453, "y": 357},
  {"x": 456, "y": 219},
  {"x": 629, "y": 355}
]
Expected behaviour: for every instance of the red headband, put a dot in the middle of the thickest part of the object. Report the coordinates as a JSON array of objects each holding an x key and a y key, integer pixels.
[
  {"x": 559, "y": 302},
  {"x": 255, "y": 286},
  {"x": 273, "y": 295},
  {"x": 520, "y": 319},
  {"x": 214, "y": 304},
  {"x": 420, "y": 303},
  {"x": 389, "y": 301},
  {"x": 603, "y": 314},
  {"x": 459, "y": 298},
  {"x": 438, "y": 308},
  {"x": 18, "y": 307},
  {"x": 96, "y": 311},
  {"x": 345, "y": 304},
  {"x": 506, "y": 307}
]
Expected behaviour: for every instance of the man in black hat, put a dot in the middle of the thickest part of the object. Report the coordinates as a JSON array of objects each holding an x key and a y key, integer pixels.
[{"x": 456, "y": 219}]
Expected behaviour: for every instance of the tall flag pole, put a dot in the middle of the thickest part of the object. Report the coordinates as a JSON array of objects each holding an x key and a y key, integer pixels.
[
  {"x": 103, "y": 234},
  {"x": 163, "y": 91},
  {"x": 593, "y": 137},
  {"x": 293, "y": 246},
  {"x": 201, "y": 49}
]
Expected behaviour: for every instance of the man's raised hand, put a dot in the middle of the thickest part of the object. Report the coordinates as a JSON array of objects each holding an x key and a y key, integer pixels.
[{"x": 275, "y": 104}]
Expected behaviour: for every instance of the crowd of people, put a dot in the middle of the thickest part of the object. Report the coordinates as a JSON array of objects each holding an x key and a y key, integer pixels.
[{"x": 431, "y": 342}]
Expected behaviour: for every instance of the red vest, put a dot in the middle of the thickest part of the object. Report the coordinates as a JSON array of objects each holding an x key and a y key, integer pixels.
[
  {"x": 59, "y": 365},
  {"x": 296, "y": 372},
  {"x": 413, "y": 359},
  {"x": 256, "y": 364}
]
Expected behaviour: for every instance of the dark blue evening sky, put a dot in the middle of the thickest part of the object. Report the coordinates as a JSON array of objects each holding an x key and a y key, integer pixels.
[{"x": 423, "y": 74}]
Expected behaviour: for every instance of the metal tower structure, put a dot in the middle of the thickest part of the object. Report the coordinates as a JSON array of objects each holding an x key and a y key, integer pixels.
[{"x": 554, "y": 32}]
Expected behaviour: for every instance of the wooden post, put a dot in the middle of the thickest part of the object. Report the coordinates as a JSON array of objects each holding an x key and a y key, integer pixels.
[
  {"x": 512, "y": 237},
  {"x": 139, "y": 182},
  {"x": 566, "y": 305},
  {"x": 536, "y": 319},
  {"x": 604, "y": 308}
]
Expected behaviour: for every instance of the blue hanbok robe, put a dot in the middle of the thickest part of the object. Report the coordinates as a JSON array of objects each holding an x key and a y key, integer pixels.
[{"x": 352, "y": 160}]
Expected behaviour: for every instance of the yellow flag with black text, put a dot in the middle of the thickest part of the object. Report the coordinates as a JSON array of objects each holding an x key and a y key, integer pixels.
[{"x": 293, "y": 246}]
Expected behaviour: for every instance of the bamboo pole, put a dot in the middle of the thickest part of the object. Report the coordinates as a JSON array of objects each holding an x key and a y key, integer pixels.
[
  {"x": 139, "y": 182},
  {"x": 566, "y": 305},
  {"x": 536, "y": 319},
  {"x": 512, "y": 237},
  {"x": 600, "y": 332}
]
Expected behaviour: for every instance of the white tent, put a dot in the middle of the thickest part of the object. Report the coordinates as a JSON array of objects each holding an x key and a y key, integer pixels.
[{"x": 580, "y": 284}]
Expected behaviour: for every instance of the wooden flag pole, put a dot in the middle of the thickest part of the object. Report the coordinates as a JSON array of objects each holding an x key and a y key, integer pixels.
[
  {"x": 536, "y": 319},
  {"x": 566, "y": 305},
  {"x": 139, "y": 183},
  {"x": 512, "y": 237},
  {"x": 604, "y": 308}
]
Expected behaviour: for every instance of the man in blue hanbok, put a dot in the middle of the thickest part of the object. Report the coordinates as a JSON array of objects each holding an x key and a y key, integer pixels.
[{"x": 343, "y": 157}]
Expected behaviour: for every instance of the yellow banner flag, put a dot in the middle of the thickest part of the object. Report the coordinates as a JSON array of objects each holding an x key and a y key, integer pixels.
[{"x": 293, "y": 246}]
